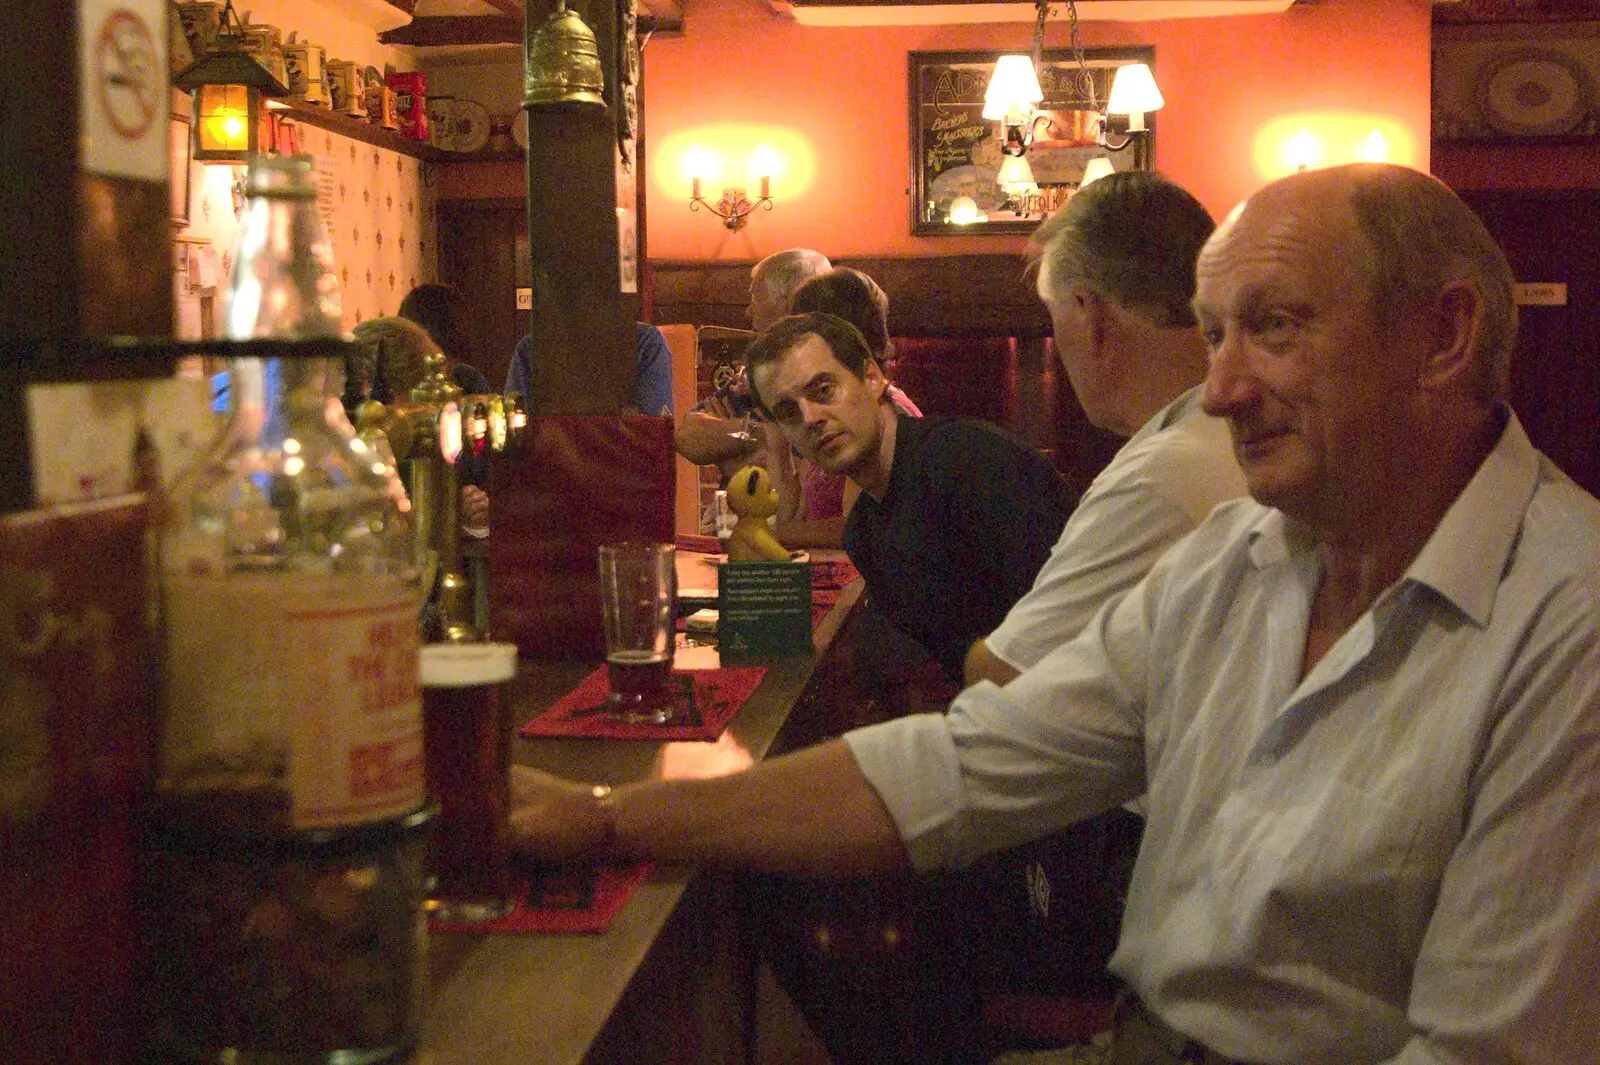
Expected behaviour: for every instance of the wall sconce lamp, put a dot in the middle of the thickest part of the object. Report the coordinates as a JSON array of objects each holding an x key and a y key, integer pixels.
[
  {"x": 228, "y": 87},
  {"x": 735, "y": 207}
]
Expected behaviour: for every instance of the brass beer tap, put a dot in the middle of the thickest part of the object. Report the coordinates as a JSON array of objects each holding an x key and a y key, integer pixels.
[{"x": 432, "y": 431}]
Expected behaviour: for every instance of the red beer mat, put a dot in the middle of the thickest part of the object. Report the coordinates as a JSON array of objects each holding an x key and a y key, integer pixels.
[
  {"x": 584, "y": 900},
  {"x": 717, "y": 696},
  {"x": 832, "y": 574}
]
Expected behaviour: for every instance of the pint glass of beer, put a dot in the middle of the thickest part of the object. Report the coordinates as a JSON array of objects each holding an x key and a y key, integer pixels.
[
  {"x": 638, "y": 595},
  {"x": 467, "y": 753}
]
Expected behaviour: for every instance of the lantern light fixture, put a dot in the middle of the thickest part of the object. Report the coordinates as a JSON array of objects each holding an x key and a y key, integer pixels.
[{"x": 229, "y": 87}]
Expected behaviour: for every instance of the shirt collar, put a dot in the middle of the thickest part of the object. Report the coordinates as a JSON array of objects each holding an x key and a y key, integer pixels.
[
  {"x": 1168, "y": 416},
  {"x": 1467, "y": 554}
]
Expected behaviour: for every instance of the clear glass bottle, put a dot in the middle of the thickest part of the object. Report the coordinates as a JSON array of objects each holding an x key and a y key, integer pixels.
[
  {"x": 291, "y": 745},
  {"x": 290, "y": 605}
]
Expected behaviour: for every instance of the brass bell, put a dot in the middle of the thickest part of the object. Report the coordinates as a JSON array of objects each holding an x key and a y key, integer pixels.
[{"x": 562, "y": 64}]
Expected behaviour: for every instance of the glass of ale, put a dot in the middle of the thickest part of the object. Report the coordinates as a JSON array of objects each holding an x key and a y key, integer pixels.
[
  {"x": 467, "y": 757},
  {"x": 638, "y": 595}
]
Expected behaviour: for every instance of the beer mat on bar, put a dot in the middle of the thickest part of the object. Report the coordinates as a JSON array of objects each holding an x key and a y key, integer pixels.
[
  {"x": 821, "y": 603},
  {"x": 582, "y": 900},
  {"x": 832, "y": 574},
  {"x": 705, "y": 701},
  {"x": 704, "y": 545}
]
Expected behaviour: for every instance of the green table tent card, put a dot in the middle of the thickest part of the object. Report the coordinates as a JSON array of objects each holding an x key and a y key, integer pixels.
[{"x": 764, "y": 608}]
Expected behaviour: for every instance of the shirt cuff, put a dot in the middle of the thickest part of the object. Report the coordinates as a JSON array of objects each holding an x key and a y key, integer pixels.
[{"x": 911, "y": 763}]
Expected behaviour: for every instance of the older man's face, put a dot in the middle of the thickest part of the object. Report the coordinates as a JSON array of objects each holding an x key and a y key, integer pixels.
[
  {"x": 1312, "y": 390},
  {"x": 764, "y": 310}
]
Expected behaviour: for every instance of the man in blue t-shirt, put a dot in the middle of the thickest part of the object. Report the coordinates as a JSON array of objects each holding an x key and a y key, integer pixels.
[{"x": 652, "y": 387}]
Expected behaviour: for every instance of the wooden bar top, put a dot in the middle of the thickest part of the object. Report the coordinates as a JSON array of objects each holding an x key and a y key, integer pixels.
[{"x": 545, "y": 998}]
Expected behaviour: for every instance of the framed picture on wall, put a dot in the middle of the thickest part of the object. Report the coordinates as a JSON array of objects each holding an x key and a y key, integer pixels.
[
  {"x": 956, "y": 152},
  {"x": 1515, "y": 84}
]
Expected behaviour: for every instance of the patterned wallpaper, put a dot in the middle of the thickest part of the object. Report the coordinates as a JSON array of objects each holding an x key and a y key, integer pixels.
[
  {"x": 381, "y": 215},
  {"x": 379, "y": 209}
]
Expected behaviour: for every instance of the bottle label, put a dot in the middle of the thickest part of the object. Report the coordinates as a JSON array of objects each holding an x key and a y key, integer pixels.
[
  {"x": 356, "y": 730},
  {"x": 311, "y": 680}
]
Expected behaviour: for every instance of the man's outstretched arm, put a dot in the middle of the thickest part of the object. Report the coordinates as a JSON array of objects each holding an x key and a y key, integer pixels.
[{"x": 810, "y": 813}]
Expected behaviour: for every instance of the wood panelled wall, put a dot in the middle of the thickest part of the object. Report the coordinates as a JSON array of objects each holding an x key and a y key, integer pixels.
[{"x": 971, "y": 337}]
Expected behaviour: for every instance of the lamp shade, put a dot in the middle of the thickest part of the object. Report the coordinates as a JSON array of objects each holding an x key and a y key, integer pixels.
[
  {"x": 1013, "y": 88},
  {"x": 1094, "y": 170},
  {"x": 964, "y": 211},
  {"x": 1133, "y": 91},
  {"x": 1016, "y": 176}
]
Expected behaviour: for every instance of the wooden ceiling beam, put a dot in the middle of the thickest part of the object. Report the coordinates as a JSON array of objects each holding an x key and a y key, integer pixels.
[
  {"x": 512, "y": 9},
  {"x": 1467, "y": 12},
  {"x": 441, "y": 30}
]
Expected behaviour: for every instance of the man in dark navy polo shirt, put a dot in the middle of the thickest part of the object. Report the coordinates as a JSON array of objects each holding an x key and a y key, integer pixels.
[{"x": 955, "y": 516}]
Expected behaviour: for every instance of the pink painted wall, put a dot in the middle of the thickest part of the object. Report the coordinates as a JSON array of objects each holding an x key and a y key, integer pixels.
[{"x": 845, "y": 92}]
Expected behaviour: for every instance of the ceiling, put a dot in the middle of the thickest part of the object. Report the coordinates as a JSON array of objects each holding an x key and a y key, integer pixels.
[{"x": 457, "y": 25}]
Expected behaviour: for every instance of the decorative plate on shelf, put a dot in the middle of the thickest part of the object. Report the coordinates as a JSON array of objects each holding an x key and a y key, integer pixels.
[
  {"x": 1532, "y": 93},
  {"x": 469, "y": 126}
]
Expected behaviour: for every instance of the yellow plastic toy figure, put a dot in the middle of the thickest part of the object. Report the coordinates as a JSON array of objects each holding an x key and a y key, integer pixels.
[{"x": 752, "y": 497}]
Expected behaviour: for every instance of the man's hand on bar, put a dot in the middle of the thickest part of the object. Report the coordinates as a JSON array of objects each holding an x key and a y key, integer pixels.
[
  {"x": 809, "y": 813},
  {"x": 558, "y": 820}
]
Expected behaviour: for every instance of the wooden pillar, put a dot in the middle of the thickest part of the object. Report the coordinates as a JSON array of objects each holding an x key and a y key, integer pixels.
[
  {"x": 583, "y": 359},
  {"x": 84, "y": 209}
]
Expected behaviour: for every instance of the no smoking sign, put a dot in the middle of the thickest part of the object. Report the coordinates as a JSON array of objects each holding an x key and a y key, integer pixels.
[{"x": 125, "y": 89}]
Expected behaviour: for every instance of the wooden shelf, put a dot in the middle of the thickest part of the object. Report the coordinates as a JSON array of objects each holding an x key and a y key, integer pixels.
[
  {"x": 362, "y": 130},
  {"x": 358, "y": 129}
]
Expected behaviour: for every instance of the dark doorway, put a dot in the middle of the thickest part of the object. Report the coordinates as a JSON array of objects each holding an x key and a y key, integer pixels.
[
  {"x": 1550, "y": 238},
  {"x": 483, "y": 251}
]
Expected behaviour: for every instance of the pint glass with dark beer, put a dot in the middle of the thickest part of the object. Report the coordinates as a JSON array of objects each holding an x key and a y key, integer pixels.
[
  {"x": 638, "y": 596},
  {"x": 467, "y": 750}
]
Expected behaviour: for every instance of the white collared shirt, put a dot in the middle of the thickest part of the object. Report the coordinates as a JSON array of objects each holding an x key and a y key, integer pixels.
[
  {"x": 1155, "y": 490},
  {"x": 1395, "y": 859}
]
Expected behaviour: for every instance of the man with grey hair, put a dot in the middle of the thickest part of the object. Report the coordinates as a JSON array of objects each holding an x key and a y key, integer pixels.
[
  {"x": 775, "y": 279},
  {"x": 711, "y": 432},
  {"x": 1116, "y": 270},
  {"x": 1363, "y": 706}
]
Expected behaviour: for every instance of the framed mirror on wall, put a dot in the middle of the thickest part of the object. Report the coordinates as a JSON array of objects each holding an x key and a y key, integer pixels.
[
  {"x": 180, "y": 156},
  {"x": 956, "y": 153}
]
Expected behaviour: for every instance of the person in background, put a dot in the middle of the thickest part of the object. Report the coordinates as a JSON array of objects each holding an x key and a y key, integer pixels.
[
  {"x": 953, "y": 519},
  {"x": 715, "y": 431},
  {"x": 813, "y": 502},
  {"x": 652, "y": 385},
  {"x": 1362, "y": 705},
  {"x": 441, "y": 310},
  {"x": 652, "y": 391},
  {"x": 1116, "y": 270}
]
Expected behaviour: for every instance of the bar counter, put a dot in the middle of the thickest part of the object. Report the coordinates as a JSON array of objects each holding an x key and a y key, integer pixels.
[{"x": 662, "y": 983}]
